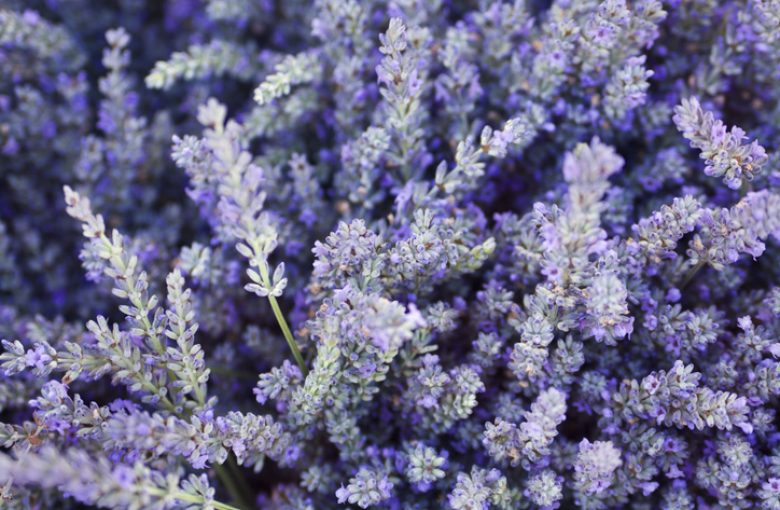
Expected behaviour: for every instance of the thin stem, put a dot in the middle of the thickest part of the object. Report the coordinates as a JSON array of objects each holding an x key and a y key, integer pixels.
[
  {"x": 282, "y": 321},
  {"x": 233, "y": 467},
  {"x": 745, "y": 188},
  {"x": 200, "y": 395},
  {"x": 227, "y": 371},
  {"x": 223, "y": 506},
  {"x": 690, "y": 274},
  {"x": 287, "y": 334},
  {"x": 230, "y": 486},
  {"x": 183, "y": 496}
]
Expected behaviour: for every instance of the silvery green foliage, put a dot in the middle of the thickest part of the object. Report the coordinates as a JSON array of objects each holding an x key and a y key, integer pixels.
[
  {"x": 200, "y": 61},
  {"x": 292, "y": 70},
  {"x": 29, "y": 29}
]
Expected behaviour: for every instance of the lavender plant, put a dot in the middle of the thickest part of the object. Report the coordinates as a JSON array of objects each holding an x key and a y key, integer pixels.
[{"x": 466, "y": 254}]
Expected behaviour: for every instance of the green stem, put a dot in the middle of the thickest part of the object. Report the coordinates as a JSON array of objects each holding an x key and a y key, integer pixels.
[
  {"x": 230, "y": 486},
  {"x": 200, "y": 395},
  {"x": 239, "y": 374},
  {"x": 183, "y": 496},
  {"x": 287, "y": 334},
  {"x": 690, "y": 274},
  {"x": 281, "y": 320},
  {"x": 223, "y": 506},
  {"x": 243, "y": 487},
  {"x": 745, "y": 188}
]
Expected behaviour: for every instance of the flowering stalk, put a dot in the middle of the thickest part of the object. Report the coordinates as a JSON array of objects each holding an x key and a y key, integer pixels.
[
  {"x": 288, "y": 334},
  {"x": 219, "y": 165},
  {"x": 271, "y": 287}
]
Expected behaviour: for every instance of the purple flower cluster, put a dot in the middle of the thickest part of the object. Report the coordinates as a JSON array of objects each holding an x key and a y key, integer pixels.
[{"x": 391, "y": 254}]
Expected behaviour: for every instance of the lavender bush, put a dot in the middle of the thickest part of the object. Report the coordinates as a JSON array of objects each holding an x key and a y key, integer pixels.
[{"x": 404, "y": 254}]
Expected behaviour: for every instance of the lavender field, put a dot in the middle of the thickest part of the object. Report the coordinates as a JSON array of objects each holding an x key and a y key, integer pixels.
[{"x": 389, "y": 254}]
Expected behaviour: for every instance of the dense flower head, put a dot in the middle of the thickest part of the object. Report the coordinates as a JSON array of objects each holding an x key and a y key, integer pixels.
[
  {"x": 391, "y": 254},
  {"x": 723, "y": 150},
  {"x": 424, "y": 465},
  {"x": 544, "y": 490},
  {"x": 367, "y": 488},
  {"x": 478, "y": 490},
  {"x": 595, "y": 465},
  {"x": 351, "y": 251}
]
